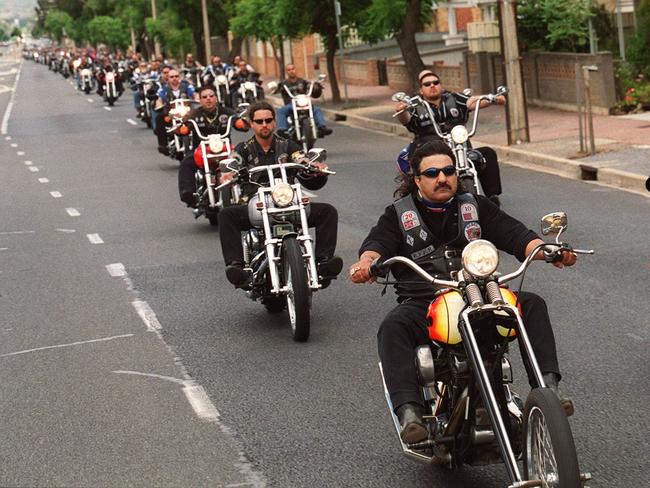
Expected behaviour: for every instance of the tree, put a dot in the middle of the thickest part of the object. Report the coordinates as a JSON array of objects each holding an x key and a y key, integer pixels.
[
  {"x": 638, "y": 53},
  {"x": 58, "y": 24},
  {"x": 554, "y": 25},
  {"x": 401, "y": 19},
  {"x": 109, "y": 31},
  {"x": 178, "y": 41},
  {"x": 15, "y": 32}
]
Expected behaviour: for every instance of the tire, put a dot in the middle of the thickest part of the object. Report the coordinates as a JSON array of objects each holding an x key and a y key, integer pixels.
[
  {"x": 213, "y": 217},
  {"x": 307, "y": 134},
  {"x": 226, "y": 197},
  {"x": 274, "y": 304},
  {"x": 299, "y": 294},
  {"x": 545, "y": 422},
  {"x": 466, "y": 185},
  {"x": 87, "y": 90},
  {"x": 111, "y": 101}
]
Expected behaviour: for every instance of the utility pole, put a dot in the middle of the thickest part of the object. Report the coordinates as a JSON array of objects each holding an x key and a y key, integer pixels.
[
  {"x": 206, "y": 33},
  {"x": 517, "y": 116},
  {"x": 154, "y": 15},
  {"x": 337, "y": 11},
  {"x": 619, "y": 22}
]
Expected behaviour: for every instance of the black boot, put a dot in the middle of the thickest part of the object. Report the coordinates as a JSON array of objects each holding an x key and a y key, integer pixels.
[
  {"x": 328, "y": 269},
  {"x": 551, "y": 380},
  {"x": 237, "y": 275},
  {"x": 412, "y": 429}
]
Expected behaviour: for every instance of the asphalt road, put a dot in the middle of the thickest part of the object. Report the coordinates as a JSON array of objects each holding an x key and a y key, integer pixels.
[{"x": 289, "y": 415}]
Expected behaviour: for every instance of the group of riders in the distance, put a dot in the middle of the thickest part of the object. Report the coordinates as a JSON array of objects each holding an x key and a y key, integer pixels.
[{"x": 444, "y": 348}]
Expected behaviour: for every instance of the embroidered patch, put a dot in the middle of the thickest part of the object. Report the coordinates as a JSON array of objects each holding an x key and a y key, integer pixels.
[
  {"x": 410, "y": 240},
  {"x": 410, "y": 220},
  {"x": 472, "y": 231},
  {"x": 223, "y": 119},
  {"x": 422, "y": 252},
  {"x": 423, "y": 235},
  {"x": 454, "y": 112},
  {"x": 468, "y": 212}
]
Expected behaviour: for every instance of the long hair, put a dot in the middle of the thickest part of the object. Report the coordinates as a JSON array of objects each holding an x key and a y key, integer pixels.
[{"x": 406, "y": 182}]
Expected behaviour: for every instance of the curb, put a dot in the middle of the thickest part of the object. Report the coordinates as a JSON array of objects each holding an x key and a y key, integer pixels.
[{"x": 543, "y": 162}]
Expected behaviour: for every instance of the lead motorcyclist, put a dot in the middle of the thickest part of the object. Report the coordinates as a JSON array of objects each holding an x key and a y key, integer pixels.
[
  {"x": 263, "y": 149},
  {"x": 298, "y": 85},
  {"x": 211, "y": 118},
  {"x": 449, "y": 109},
  {"x": 431, "y": 224}
]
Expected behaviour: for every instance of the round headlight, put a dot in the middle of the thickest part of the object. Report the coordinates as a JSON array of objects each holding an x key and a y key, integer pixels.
[
  {"x": 480, "y": 258},
  {"x": 249, "y": 85},
  {"x": 221, "y": 79},
  {"x": 282, "y": 194},
  {"x": 459, "y": 134},
  {"x": 215, "y": 143},
  {"x": 302, "y": 101}
]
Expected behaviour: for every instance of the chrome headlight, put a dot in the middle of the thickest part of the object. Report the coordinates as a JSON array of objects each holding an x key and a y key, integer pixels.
[
  {"x": 302, "y": 101},
  {"x": 282, "y": 194},
  {"x": 249, "y": 85},
  {"x": 215, "y": 143},
  {"x": 459, "y": 134},
  {"x": 480, "y": 258},
  {"x": 221, "y": 79}
]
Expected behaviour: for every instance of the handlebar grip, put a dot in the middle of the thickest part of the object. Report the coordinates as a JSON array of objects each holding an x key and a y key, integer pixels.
[{"x": 378, "y": 269}]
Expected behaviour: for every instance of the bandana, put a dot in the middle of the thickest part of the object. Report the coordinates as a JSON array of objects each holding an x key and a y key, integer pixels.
[{"x": 434, "y": 206}]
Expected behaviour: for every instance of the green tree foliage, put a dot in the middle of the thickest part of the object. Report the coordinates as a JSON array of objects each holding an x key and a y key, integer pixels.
[
  {"x": 176, "y": 40},
  {"x": 109, "y": 31},
  {"x": 554, "y": 25},
  {"x": 59, "y": 24},
  {"x": 15, "y": 32},
  {"x": 638, "y": 50}
]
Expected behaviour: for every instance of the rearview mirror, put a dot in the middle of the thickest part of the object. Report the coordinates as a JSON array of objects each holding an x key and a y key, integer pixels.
[
  {"x": 317, "y": 154},
  {"x": 272, "y": 85},
  {"x": 467, "y": 92},
  {"x": 502, "y": 90},
  {"x": 554, "y": 223},
  {"x": 398, "y": 97},
  {"x": 322, "y": 77}
]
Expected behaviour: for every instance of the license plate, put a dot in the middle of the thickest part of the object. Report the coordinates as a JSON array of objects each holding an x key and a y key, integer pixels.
[{"x": 282, "y": 229}]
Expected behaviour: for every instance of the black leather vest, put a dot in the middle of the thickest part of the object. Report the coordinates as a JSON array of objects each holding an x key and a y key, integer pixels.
[
  {"x": 448, "y": 115},
  {"x": 417, "y": 244}
]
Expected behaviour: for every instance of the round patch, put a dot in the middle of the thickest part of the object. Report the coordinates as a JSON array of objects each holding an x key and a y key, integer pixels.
[{"x": 472, "y": 231}]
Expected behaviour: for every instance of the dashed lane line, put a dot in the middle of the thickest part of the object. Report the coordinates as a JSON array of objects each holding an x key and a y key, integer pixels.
[
  {"x": 95, "y": 239},
  {"x": 28, "y": 163},
  {"x": 73, "y": 212},
  {"x": 14, "y": 145},
  {"x": 43, "y": 180},
  {"x": 56, "y": 194},
  {"x": 33, "y": 169},
  {"x": 116, "y": 270},
  {"x": 20, "y": 153},
  {"x": 108, "y": 108},
  {"x": 131, "y": 121}
]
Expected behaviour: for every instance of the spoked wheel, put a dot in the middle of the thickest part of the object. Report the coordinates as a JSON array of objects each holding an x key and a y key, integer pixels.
[
  {"x": 549, "y": 450},
  {"x": 298, "y": 293}
]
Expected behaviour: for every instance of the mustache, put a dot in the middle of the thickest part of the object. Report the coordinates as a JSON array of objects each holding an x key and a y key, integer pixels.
[{"x": 442, "y": 186}]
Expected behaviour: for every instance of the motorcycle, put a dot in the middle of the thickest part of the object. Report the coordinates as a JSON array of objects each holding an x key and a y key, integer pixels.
[
  {"x": 302, "y": 125},
  {"x": 86, "y": 78},
  {"x": 458, "y": 139},
  {"x": 278, "y": 249},
  {"x": 246, "y": 93},
  {"x": 210, "y": 158},
  {"x": 179, "y": 139},
  {"x": 110, "y": 90},
  {"x": 472, "y": 414}
]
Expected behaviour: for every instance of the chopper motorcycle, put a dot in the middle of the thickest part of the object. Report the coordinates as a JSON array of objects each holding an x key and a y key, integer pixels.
[
  {"x": 471, "y": 412},
  {"x": 458, "y": 139},
  {"x": 278, "y": 249}
]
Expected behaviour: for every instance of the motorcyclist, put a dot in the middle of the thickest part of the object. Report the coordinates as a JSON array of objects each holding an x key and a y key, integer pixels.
[
  {"x": 174, "y": 89},
  {"x": 191, "y": 69},
  {"x": 140, "y": 73},
  {"x": 450, "y": 109},
  {"x": 211, "y": 118},
  {"x": 431, "y": 221},
  {"x": 241, "y": 75},
  {"x": 267, "y": 148},
  {"x": 298, "y": 85}
]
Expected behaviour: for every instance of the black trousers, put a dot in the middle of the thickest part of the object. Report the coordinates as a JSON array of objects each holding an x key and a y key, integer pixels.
[
  {"x": 161, "y": 129},
  {"x": 405, "y": 328},
  {"x": 186, "y": 171},
  {"x": 490, "y": 175},
  {"x": 234, "y": 220}
]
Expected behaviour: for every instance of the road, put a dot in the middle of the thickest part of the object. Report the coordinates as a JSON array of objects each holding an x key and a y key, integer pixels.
[{"x": 127, "y": 358}]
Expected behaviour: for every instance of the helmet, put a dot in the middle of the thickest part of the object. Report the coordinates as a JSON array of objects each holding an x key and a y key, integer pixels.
[{"x": 403, "y": 164}]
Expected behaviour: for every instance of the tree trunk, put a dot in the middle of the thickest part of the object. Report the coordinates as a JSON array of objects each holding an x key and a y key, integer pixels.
[
  {"x": 200, "y": 46},
  {"x": 235, "y": 48},
  {"x": 406, "y": 40},
  {"x": 331, "y": 69}
]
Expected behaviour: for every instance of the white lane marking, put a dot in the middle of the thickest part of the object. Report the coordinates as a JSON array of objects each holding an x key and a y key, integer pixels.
[
  {"x": 8, "y": 138},
  {"x": 17, "y": 232},
  {"x": 20, "y": 153},
  {"x": 90, "y": 100},
  {"x": 33, "y": 169},
  {"x": 28, "y": 163},
  {"x": 116, "y": 269},
  {"x": 10, "y": 105},
  {"x": 200, "y": 402},
  {"x": 131, "y": 121},
  {"x": 152, "y": 375},
  {"x": 147, "y": 315},
  {"x": 103, "y": 339},
  {"x": 108, "y": 108},
  {"x": 237, "y": 485},
  {"x": 56, "y": 194},
  {"x": 43, "y": 180},
  {"x": 73, "y": 212},
  {"x": 13, "y": 144},
  {"x": 94, "y": 239},
  {"x": 4, "y": 248},
  {"x": 66, "y": 231}
]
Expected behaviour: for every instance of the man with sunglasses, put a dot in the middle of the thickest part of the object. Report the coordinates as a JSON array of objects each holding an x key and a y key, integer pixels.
[
  {"x": 266, "y": 148},
  {"x": 211, "y": 118},
  {"x": 431, "y": 224},
  {"x": 450, "y": 109},
  {"x": 174, "y": 89}
]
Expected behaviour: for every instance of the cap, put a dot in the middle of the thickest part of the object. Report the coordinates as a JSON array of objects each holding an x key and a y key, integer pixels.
[{"x": 424, "y": 73}]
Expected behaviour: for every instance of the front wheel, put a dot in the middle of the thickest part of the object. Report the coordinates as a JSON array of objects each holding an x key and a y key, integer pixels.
[
  {"x": 549, "y": 450},
  {"x": 307, "y": 134},
  {"x": 298, "y": 293}
]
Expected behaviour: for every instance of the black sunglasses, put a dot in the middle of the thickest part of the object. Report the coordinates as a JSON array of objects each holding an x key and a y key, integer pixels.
[
  {"x": 434, "y": 172},
  {"x": 263, "y": 121},
  {"x": 429, "y": 83}
]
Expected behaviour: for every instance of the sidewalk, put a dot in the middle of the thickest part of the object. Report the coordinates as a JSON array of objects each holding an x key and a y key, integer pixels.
[{"x": 622, "y": 142}]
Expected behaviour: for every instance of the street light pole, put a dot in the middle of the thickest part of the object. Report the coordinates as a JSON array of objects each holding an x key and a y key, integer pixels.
[
  {"x": 337, "y": 11},
  {"x": 154, "y": 15},
  {"x": 206, "y": 33},
  {"x": 619, "y": 22}
]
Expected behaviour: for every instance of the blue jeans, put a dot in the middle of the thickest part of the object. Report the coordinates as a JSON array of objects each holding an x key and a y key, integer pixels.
[{"x": 282, "y": 113}]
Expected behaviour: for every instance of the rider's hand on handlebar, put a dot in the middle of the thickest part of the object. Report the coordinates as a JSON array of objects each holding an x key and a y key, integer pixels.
[
  {"x": 359, "y": 272},
  {"x": 400, "y": 106},
  {"x": 226, "y": 177},
  {"x": 319, "y": 166},
  {"x": 567, "y": 258}
]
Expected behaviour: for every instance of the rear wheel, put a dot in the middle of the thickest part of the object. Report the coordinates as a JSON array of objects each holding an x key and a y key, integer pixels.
[
  {"x": 549, "y": 450},
  {"x": 298, "y": 293}
]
